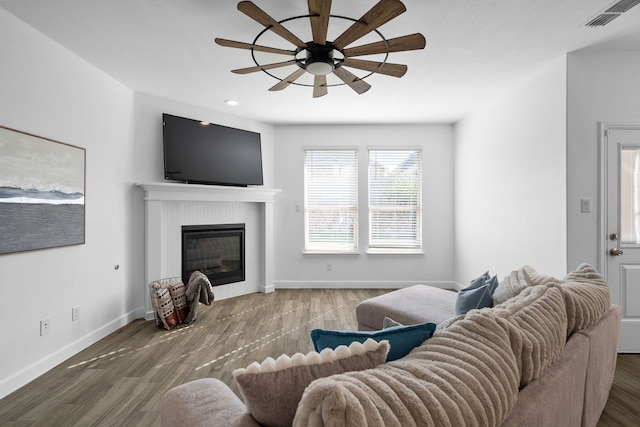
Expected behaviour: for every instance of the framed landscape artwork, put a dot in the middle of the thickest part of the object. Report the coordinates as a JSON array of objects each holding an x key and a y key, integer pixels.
[{"x": 42, "y": 189}]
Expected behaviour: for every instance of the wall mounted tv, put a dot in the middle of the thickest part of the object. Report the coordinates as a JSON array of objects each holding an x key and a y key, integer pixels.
[{"x": 205, "y": 153}]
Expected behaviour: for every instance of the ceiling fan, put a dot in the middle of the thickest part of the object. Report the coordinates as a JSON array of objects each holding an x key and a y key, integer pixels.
[{"x": 320, "y": 57}]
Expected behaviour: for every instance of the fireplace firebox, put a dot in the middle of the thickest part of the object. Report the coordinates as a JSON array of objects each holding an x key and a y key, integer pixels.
[{"x": 216, "y": 250}]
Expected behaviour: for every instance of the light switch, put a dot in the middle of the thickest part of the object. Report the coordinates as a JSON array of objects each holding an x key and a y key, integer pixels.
[{"x": 585, "y": 205}]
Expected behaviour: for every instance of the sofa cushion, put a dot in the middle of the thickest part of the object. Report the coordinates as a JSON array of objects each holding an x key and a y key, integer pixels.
[
  {"x": 537, "y": 279},
  {"x": 390, "y": 323},
  {"x": 477, "y": 295},
  {"x": 465, "y": 374},
  {"x": 585, "y": 292},
  {"x": 537, "y": 322},
  {"x": 272, "y": 389},
  {"x": 450, "y": 321},
  {"x": 402, "y": 339},
  {"x": 511, "y": 286}
]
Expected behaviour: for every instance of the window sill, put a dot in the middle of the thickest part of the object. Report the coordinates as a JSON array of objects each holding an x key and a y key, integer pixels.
[
  {"x": 390, "y": 251},
  {"x": 311, "y": 253}
]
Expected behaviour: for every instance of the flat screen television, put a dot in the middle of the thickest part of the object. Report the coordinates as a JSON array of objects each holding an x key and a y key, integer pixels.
[{"x": 205, "y": 153}]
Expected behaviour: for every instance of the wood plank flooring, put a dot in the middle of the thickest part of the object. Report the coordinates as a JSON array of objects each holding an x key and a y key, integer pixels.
[
  {"x": 623, "y": 406},
  {"x": 119, "y": 380}
]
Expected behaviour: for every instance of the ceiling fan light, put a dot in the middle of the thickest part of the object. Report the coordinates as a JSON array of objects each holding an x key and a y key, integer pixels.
[{"x": 319, "y": 68}]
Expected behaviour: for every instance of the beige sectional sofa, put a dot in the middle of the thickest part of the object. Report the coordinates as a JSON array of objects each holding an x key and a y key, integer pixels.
[{"x": 544, "y": 356}]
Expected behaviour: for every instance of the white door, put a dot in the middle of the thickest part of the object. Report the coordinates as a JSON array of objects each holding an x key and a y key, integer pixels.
[{"x": 621, "y": 222}]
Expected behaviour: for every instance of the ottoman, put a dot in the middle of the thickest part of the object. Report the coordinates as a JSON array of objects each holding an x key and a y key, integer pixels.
[{"x": 408, "y": 306}]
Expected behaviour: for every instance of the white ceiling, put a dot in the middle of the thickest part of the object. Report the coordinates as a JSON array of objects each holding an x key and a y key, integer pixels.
[{"x": 475, "y": 49}]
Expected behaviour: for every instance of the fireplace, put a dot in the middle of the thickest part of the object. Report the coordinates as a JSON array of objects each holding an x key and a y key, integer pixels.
[{"x": 216, "y": 250}]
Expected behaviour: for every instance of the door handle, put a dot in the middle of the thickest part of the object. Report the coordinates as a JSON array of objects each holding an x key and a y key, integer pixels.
[{"x": 615, "y": 252}]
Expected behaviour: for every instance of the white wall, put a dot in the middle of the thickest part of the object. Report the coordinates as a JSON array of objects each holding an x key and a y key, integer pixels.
[
  {"x": 293, "y": 269},
  {"x": 47, "y": 91},
  {"x": 603, "y": 86},
  {"x": 510, "y": 157}
]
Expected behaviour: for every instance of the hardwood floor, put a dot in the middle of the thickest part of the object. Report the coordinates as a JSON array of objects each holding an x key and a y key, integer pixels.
[
  {"x": 623, "y": 406},
  {"x": 119, "y": 380}
]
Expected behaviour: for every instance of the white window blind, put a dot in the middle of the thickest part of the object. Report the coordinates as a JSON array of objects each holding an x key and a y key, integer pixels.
[
  {"x": 395, "y": 203},
  {"x": 331, "y": 200}
]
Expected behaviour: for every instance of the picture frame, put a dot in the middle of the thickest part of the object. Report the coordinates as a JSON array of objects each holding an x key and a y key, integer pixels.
[{"x": 42, "y": 192}]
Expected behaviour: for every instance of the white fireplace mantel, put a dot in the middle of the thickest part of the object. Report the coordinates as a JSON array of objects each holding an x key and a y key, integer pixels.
[
  {"x": 206, "y": 193},
  {"x": 158, "y": 194}
]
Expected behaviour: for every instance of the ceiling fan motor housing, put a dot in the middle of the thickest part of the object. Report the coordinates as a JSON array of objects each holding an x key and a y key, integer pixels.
[{"x": 319, "y": 59}]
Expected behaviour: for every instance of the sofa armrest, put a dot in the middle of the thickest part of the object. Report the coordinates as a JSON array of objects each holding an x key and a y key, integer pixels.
[
  {"x": 556, "y": 398},
  {"x": 203, "y": 402},
  {"x": 603, "y": 353}
]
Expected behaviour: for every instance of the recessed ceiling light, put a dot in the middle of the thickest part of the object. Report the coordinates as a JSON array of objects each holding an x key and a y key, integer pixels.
[{"x": 231, "y": 102}]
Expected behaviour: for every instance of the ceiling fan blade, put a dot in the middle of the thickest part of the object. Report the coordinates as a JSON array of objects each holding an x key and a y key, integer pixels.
[
  {"x": 263, "y": 67},
  {"x": 384, "y": 11},
  {"x": 259, "y": 15},
  {"x": 398, "y": 44},
  {"x": 249, "y": 46},
  {"x": 319, "y": 11},
  {"x": 288, "y": 80},
  {"x": 360, "y": 86},
  {"x": 319, "y": 86},
  {"x": 394, "y": 70}
]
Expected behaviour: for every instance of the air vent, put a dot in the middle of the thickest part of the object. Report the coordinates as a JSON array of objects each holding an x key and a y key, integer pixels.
[
  {"x": 622, "y": 6},
  {"x": 602, "y": 19},
  {"x": 612, "y": 13}
]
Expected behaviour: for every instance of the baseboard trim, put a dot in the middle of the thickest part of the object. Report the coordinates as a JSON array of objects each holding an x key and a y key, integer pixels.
[
  {"x": 267, "y": 289},
  {"x": 359, "y": 284},
  {"x": 24, "y": 376}
]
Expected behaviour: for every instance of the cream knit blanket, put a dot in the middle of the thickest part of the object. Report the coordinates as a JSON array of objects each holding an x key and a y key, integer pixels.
[
  {"x": 585, "y": 292},
  {"x": 537, "y": 323},
  {"x": 467, "y": 374}
]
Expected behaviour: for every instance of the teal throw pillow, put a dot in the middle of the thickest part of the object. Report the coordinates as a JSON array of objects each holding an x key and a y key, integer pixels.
[
  {"x": 479, "y": 294},
  {"x": 402, "y": 339}
]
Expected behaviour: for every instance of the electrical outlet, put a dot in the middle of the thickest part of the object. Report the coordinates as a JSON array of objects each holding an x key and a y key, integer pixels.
[
  {"x": 44, "y": 327},
  {"x": 75, "y": 313},
  {"x": 329, "y": 267}
]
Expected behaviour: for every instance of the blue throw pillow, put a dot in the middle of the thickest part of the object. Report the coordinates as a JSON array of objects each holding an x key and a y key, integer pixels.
[
  {"x": 402, "y": 339},
  {"x": 478, "y": 294}
]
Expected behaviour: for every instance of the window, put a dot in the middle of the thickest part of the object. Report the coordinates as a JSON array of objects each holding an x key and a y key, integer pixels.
[
  {"x": 331, "y": 200},
  {"x": 395, "y": 217}
]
